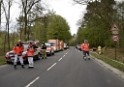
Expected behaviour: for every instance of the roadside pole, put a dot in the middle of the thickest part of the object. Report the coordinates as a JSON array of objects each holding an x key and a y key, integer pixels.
[
  {"x": 56, "y": 38},
  {"x": 115, "y": 50},
  {"x": 115, "y": 37}
]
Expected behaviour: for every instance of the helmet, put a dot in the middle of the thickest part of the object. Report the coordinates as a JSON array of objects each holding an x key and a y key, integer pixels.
[
  {"x": 86, "y": 41},
  {"x": 19, "y": 40},
  {"x": 30, "y": 44}
]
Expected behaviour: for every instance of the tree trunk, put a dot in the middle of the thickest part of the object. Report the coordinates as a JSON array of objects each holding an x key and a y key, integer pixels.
[
  {"x": 25, "y": 30},
  {"x": 0, "y": 14},
  {"x": 4, "y": 44},
  {"x": 8, "y": 38}
]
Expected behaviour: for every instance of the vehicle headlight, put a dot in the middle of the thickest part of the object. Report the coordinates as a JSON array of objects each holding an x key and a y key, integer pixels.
[{"x": 7, "y": 54}]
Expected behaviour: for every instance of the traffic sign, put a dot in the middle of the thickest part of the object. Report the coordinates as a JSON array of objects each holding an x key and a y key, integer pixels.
[
  {"x": 114, "y": 27},
  {"x": 115, "y": 38},
  {"x": 115, "y": 32}
]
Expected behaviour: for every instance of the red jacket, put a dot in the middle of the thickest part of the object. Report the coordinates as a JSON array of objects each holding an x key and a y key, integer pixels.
[
  {"x": 85, "y": 46},
  {"x": 18, "y": 50},
  {"x": 30, "y": 51}
]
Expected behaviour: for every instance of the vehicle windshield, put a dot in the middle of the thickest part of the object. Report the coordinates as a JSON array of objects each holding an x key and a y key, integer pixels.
[
  {"x": 25, "y": 47},
  {"x": 47, "y": 44}
]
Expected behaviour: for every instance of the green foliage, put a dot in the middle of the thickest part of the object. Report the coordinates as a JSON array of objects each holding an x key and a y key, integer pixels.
[
  {"x": 97, "y": 23},
  {"x": 2, "y": 60},
  {"x": 58, "y": 27},
  {"x": 108, "y": 60},
  {"x": 120, "y": 19}
]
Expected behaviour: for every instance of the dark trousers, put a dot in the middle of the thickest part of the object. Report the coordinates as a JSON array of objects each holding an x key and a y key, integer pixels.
[{"x": 85, "y": 53}]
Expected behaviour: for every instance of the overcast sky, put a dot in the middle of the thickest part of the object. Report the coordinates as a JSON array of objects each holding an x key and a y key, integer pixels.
[{"x": 66, "y": 8}]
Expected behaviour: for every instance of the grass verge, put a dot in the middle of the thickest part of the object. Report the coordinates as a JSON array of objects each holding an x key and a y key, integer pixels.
[
  {"x": 109, "y": 61},
  {"x": 2, "y": 60}
]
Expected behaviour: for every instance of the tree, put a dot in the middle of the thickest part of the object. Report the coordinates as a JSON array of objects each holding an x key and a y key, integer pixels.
[
  {"x": 120, "y": 21},
  {"x": 27, "y": 5},
  {"x": 6, "y": 4},
  {"x": 36, "y": 24},
  {"x": 0, "y": 13},
  {"x": 97, "y": 22},
  {"x": 58, "y": 25},
  {"x": 85, "y": 2}
]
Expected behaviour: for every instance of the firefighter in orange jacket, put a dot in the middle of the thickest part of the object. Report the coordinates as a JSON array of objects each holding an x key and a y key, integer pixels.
[
  {"x": 18, "y": 49},
  {"x": 85, "y": 48},
  {"x": 30, "y": 54}
]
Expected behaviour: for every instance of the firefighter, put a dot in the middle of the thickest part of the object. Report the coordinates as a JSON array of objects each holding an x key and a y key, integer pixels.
[
  {"x": 44, "y": 56},
  {"x": 85, "y": 48},
  {"x": 30, "y": 54},
  {"x": 18, "y": 49}
]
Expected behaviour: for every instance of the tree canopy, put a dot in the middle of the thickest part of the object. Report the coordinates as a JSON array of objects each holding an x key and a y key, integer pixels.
[{"x": 97, "y": 22}]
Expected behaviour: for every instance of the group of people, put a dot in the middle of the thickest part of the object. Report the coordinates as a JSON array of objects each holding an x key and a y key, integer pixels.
[{"x": 18, "y": 50}]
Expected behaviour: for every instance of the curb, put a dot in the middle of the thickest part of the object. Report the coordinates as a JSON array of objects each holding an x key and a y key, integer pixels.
[
  {"x": 119, "y": 73},
  {"x": 2, "y": 66}
]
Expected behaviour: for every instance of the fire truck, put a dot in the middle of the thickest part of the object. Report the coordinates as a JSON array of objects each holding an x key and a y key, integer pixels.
[{"x": 55, "y": 44}]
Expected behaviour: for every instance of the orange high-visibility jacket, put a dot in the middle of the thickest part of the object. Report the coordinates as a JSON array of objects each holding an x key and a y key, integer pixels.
[
  {"x": 18, "y": 50},
  {"x": 30, "y": 51},
  {"x": 14, "y": 49},
  {"x": 85, "y": 47}
]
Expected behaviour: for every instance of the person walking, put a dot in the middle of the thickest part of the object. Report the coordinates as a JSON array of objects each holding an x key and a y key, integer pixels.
[
  {"x": 44, "y": 56},
  {"x": 30, "y": 54},
  {"x": 85, "y": 48},
  {"x": 18, "y": 49}
]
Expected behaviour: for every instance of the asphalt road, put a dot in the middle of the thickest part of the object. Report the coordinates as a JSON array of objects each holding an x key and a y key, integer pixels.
[{"x": 64, "y": 69}]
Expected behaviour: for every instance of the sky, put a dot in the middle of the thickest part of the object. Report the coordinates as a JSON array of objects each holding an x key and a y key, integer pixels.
[
  {"x": 66, "y": 8},
  {"x": 69, "y": 10}
]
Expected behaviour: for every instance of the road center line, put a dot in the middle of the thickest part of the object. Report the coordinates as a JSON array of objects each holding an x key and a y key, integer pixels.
[
  {"x": 63, "y": 55},
  {"x": 60, "y": 59},
  {"x": 32, "y": 82},
  {"x": 51, "y": 66}
]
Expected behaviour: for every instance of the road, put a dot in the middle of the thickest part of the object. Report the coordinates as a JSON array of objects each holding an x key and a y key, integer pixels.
[{"x": 64, "y": 69}]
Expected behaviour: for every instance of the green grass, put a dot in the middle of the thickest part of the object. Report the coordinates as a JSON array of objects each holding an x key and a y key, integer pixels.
[
  {"x": 109, "y": 61},
  {"x": 2, "y": 60}
]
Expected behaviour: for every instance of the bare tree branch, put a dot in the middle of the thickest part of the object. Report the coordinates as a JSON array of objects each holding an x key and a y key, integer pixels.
[
  {"x": 0, "y": 13},
  {"x": 6, "y": 7},
  {"x": 83, "y": 2},
  {"x": 27, "y": 5}
]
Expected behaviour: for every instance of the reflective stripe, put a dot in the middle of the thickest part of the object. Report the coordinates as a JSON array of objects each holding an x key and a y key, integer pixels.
[
  {"x": 18, "y": 50},
  {"x": 85, "y": 47},
  {"x": 30, "y": 52}
]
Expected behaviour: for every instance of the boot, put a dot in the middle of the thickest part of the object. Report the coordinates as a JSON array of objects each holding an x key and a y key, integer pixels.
[
  {"x": 15, "y": 67},
  {"x": 45, "y": 58},
  {"x": 23, "y": 66}
]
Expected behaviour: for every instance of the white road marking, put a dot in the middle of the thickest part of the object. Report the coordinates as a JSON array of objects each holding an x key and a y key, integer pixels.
[
  {"x": 60, "y": 59},
  {"x": 79, "y": 51},
  {"x": 67, "y": 52},
  {"x": 63, "y": 55},
  {"x": 51, "y": 66},
  {"x": 32, "y": 82}
]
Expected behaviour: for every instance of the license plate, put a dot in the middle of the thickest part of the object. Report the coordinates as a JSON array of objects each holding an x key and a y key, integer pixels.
[{"x": 11, "y": 55}]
